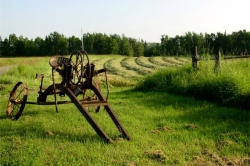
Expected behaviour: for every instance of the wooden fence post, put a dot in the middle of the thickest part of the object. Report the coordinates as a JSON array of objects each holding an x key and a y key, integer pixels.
[
  {"x": 195, "y": 57},
  {"x": 217, "y": 59}
]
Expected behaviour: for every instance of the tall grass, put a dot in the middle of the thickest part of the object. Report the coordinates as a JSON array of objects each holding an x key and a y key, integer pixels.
[{"x": 229, "y": 86}]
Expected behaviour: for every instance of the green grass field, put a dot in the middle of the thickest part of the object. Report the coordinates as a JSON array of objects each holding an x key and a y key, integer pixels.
[{"x": 167, "y": 127}]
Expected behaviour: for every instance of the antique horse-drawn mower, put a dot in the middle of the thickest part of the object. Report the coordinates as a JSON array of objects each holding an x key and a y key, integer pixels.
[{"x": 77, "y": 81}]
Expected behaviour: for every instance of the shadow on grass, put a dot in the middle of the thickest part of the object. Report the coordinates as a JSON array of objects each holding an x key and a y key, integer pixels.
[
  {"x": 36, "y": 131},
  {"x": 3, "y": 117},
  {"x": 206, "y": 115}
]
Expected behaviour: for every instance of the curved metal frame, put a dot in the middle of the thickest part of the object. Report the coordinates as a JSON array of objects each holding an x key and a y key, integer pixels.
[
  {"x": 77, "y": 67},
  {"x": 89, "y": 95},
  {"x": 17, "y": 100}
]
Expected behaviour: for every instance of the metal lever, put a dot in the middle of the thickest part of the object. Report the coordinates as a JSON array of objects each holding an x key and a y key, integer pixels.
[
  {"x": 41, "y": 85},
  {"x": 54, "y": 89}
]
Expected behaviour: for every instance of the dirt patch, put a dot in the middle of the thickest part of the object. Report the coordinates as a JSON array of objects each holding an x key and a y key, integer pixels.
[
  {"x": 209, "y": 158},
  {"x": 5, "y": 68},
  {"x": 191, "y": 127},
  {"x": 162, "y": 129},
  {"x": 156, "y": 155}
]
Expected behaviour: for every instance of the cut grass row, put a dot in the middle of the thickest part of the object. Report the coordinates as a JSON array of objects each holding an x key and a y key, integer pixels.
[
  {"x": 130, "y": 64},
  {"x": 160, "y": 62},
  {"x": 114, "y": 66},
  {"x": 144, "y": 62},
  {"x": 172, "y": 60},
  {"x": 134, "y": 66}
]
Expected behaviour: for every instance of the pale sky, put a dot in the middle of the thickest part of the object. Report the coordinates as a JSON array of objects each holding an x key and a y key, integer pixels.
[{"x": 139, "y": 19}]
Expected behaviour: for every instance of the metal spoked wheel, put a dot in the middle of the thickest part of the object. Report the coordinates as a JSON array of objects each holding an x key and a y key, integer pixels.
[
  {"x": 89, "y": 95},
  {"x": 77, "y": 67},
  {"x": 17, "y": 101},
  {"x": 87, "y": 67}
]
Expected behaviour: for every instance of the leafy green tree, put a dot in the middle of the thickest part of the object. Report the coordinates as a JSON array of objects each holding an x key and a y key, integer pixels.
[
  {"x": 1, "y": 42},
  {"x": 125, "y": 47},
  {"x": 164, "y": 39},
  {"x": 56, "y": 44},
  {"x": 88, "y": 40},
  {"x": 138, "y": 49},
  {"x": 19, "y": 47},
  {"x": 30, "y": 47},
  {"x": 114, "y": 41},
  {"x": 39, "y": 46},
  {"x": 74, "y": 43},
  {"x": 237, "y": 43},
  {"x": 182, "y": 43},
  {"x": 5, "y": 47},
  {"x": 12, "y": 44},
  {"x": 241, "y": 42}
]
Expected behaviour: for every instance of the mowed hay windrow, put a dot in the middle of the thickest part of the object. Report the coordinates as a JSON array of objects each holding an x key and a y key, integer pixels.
[
  {"x": 99, "y": 64},
  {"x": 144, "y": 62},
  {"x": 176, "y": 61},
  {"x": 159, "y": 61},
  {"x": 114, "y": 65},
  {"x": 130, "y": 64},
  {"x": 184, "y": 60},
  {"x": 132, "y": 67},
  {"x": 172, "y": 60}
]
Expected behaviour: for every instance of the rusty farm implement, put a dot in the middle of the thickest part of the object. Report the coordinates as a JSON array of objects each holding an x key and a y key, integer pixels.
[{"x": 76, "y": 82}]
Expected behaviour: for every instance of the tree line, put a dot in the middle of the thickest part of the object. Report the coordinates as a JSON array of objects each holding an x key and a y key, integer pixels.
[
  {"x": 237, "y": 43},
  {"x": 58, "y": 44}
]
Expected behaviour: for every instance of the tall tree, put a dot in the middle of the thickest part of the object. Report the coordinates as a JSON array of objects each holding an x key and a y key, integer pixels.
[
  {"x": 74, "y": 43},
  {"x": 56, "y": 44},
  {"x": 12, "y": 44},
  {"x": 125, "y": 47}
]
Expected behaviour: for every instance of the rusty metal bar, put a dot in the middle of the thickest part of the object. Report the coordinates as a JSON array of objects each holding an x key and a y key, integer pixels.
[
  {"x": 83, "y": 102},
  {"x": 94, "y": 103},
  {"x": 88, "y": 117},
  {"x": 49, "y": 102},
  {"x": 112, "y": 115},
  {"x": 195, "y": 57}
]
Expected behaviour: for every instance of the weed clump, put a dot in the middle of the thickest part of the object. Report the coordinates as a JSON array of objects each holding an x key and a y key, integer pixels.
[{"x": 156, "y": 155}]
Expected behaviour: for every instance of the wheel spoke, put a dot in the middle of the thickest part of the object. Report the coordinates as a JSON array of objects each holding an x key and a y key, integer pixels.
[
  {"x": 15, "y": 109},
  {"x": 76, "y": 58},
  {"x": 89, "y": 95},
  {"x": 17, "y": 101},
  {"x": 20, "y": 92}
]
